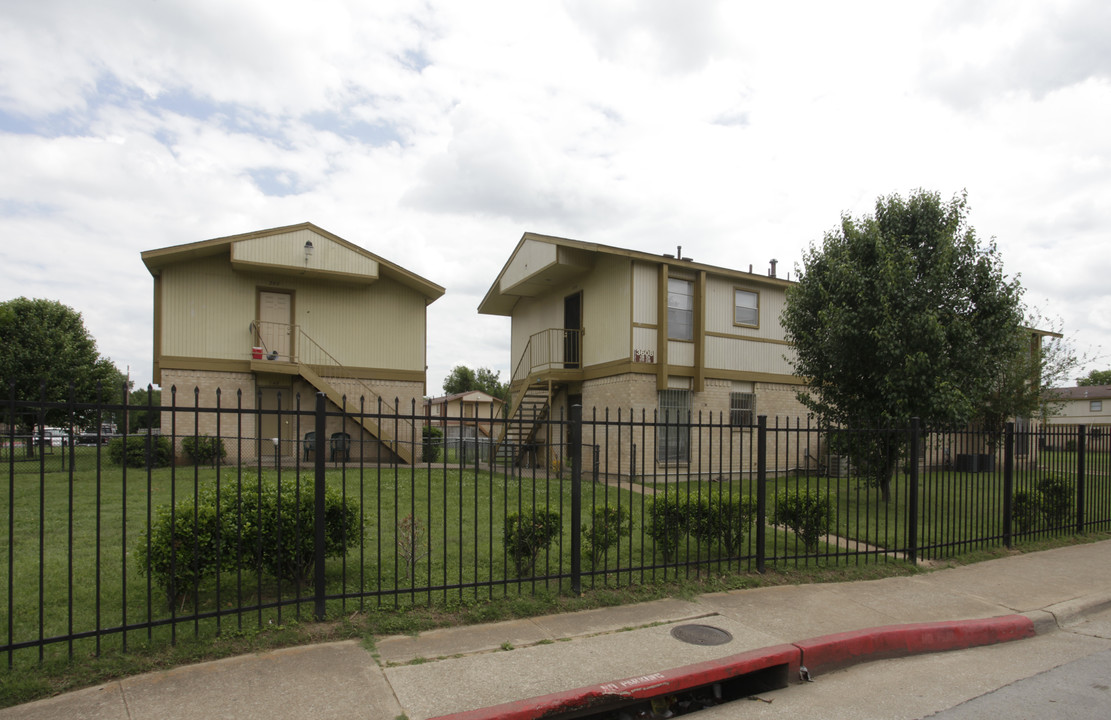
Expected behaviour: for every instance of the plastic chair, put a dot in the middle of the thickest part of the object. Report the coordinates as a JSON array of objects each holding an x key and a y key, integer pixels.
[
  {"x": 309, "y": 444},
  {"x": 341, "y": 445}
]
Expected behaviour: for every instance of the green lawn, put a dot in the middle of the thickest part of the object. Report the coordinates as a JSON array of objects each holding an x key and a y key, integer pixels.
[{"x": 449, "y": 547}]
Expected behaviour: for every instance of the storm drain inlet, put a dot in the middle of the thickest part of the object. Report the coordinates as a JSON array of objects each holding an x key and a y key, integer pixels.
[{"x": 701, "y": 634}]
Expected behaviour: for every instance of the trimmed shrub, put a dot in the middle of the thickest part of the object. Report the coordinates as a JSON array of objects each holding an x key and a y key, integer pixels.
[
  {"x": 204, "y": 450},
  {"x": 608, "y": 525},
  {"x": 1024, "y": 510},
  {"x": 528, "y": 534},
  {"x": 257, "y": 526},
  {"x": 1055, "y": 494},
  {"x": 1048, "y": 505},
  {"x": 279, "y": 527},
  {"x": 184, "y": 546},
  {"x": 431, "y": 442},
  {"x": 722, "y": 520},
  {"x": 806, "y": 513},
  {"x": 136, "y": 453},
  {"x": 667, "y": 523}
]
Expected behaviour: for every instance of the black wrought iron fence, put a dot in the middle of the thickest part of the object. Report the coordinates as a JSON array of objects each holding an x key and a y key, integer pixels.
[{"x": 230, "y": 517}]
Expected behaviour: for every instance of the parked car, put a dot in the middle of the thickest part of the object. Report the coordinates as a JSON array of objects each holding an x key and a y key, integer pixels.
[{"x": 54, "y": 437}]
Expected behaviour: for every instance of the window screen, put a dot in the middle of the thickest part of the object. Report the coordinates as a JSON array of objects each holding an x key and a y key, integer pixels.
[
  {"x": 673, "y": 433},
  {"x": 742, "y": 409},
  {"x": 746, "y": 308},
  {"x": 680, "y": 309}
]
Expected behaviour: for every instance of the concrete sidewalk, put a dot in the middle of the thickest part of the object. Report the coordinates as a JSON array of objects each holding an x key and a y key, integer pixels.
[{"x": 459, "y": 670}]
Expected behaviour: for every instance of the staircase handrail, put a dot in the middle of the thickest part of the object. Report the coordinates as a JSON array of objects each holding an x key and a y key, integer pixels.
[
  {"x": 343, "y": 372},
  {"x": 322, "y": 358},
  {"x": 520, "y": 362}
]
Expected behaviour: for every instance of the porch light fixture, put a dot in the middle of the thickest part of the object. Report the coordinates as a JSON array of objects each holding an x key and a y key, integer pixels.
[{"x": 308, "y": 250}]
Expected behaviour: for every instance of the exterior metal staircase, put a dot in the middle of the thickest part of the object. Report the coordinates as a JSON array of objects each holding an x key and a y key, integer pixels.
[
  {"x": 529, "y": 410},
  {"x": 551, "y": 358},
  {"x": 310, "y": 355}
]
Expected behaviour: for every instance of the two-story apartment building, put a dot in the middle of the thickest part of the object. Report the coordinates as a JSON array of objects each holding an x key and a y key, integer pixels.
[
  {"x": 653, "y": 336},
  {"x": 282, "y": 314}
]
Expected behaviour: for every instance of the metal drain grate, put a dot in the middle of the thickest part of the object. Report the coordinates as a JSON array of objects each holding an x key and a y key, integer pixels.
[{"x": 701, "y": 634}]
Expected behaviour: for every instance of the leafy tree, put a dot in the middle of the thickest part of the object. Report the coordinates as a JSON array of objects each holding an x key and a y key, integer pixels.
[
  {"x": 460, "y": 379},
  {"x": 45, "y": 348},
  {"x": 138, "y": 418},
  {"x": 1095, "y": 377},
  {"x": 1044, "y": 358},
  {"x": 463, "y": 379},
  {"x": 489, "y": 381},
  {"x": 901, "y": 314}
]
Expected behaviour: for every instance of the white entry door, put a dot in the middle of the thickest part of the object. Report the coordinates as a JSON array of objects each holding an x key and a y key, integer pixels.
[{"x": 275, "y": 322}]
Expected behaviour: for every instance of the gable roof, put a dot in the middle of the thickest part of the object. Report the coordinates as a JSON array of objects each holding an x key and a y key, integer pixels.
[
  {"x": 475, "y": 395},
  {"x": 1086, "y": 392},
  {"x": 280, "y": 250},
  {"x": 540, "y": 262}
]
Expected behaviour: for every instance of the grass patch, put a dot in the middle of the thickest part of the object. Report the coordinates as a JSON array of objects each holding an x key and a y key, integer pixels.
[{"x": 74, "y": 532}]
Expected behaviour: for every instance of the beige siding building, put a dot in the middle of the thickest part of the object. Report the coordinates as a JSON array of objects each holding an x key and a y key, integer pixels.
[
  {"x": 273, "y": 317},
  {"x": 1089, "y": 405},
  {"x": 472, "y": 414},
  {"x": 651, "y": 336}
]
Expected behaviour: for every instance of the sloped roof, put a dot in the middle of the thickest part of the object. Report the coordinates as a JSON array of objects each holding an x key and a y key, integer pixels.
[
  {"x": 1087, "y": 392},
  {"x": 348, "y": 263},
  {"x": 478, "y": 395},
  {"x": 562, "y": 259}
]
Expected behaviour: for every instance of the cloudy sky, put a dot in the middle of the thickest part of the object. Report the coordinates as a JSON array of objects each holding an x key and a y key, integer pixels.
[{"x": 435, "y": 133}]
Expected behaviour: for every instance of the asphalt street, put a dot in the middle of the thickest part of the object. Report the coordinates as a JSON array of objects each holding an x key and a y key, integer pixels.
[{"x": 1064, "y": 675}]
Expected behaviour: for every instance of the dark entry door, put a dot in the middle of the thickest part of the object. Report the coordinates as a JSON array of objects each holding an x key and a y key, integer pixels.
[{"x": 572, "y": 325}]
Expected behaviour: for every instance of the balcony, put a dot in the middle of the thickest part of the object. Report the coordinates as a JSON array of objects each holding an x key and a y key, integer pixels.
[{"x": 555, "y": 353}]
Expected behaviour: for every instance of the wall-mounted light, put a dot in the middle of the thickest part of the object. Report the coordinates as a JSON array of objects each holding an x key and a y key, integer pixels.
[{"x": 308, "y": 250}]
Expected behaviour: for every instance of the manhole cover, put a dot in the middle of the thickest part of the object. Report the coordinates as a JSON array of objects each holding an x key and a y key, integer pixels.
[{"x": 701, "y": 634}]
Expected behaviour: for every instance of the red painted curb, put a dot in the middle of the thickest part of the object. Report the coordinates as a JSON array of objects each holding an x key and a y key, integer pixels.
[
  {"x": 822, "y": 653},
  {"x": 842, "y": 649},
  {"x": 643, "y": 687}
]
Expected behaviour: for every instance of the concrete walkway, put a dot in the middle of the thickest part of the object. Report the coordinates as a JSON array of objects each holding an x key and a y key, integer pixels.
[{"x": 517, "y": 666}]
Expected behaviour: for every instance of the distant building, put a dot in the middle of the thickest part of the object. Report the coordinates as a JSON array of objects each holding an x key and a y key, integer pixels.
[
  {"x": 1090, "y": 405},
  {"x": 472, "y": 414}
]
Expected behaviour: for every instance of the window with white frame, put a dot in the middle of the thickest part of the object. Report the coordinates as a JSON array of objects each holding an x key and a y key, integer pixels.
[
  {"x": 742, "y": 409},
  {"x": 673, "y": 432},
  {"x": 680, "y": 309},
  {"x": 746, "y": 308},
  {"x": 1095, "y": 406}
]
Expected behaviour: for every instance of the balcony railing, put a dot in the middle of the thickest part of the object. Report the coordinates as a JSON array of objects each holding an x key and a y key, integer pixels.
[{"x": 551, "y": 349}]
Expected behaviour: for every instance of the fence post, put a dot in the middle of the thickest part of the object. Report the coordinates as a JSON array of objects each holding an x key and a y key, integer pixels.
[
  {"x": 1081, "y": 473},
  {"x": 912, "y": 500},
  {"x": 1008, "y": 483},
  {"x": 576, "y": 440},
  {"x": 318, "y": 505},
  {"x": 761, "y": 490}
]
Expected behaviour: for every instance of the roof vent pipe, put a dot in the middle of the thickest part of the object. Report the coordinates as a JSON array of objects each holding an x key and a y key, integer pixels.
[{"x": 771, "y": 272}]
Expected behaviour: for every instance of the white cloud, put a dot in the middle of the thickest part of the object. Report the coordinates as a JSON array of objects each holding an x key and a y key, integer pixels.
[
  {"x": 436, "y": 134},
  {"x": 1018, "y": 48}
]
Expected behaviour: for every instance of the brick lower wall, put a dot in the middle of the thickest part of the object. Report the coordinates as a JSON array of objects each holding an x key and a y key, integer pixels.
[
  {"x": 189, "y": 389},
  {"x": 627, "y": 448}
]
